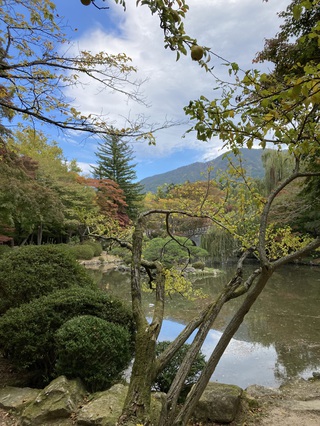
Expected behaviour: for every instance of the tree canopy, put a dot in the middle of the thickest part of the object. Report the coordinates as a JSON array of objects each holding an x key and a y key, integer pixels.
[{"x": 36, "y": 66}]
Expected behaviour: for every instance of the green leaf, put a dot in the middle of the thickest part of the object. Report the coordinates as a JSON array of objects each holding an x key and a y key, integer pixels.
[{"x": 296, "y": 10}]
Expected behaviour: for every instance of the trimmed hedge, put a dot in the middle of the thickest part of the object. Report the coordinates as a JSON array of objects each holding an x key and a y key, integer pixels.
[
  {"x": 82, "y": 251},
  {"x": 94, "y": 350},
  {"x": 33, "y": 271},
  {"x": 27, "y": 332},
  {"x": 97, "y": 247}
]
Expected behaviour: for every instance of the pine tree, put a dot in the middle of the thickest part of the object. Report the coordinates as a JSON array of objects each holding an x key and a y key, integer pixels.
[{"x": 115, "y": 158}]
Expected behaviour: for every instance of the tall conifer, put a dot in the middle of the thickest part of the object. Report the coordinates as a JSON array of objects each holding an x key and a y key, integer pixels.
[{"x": 115, "y": 162}]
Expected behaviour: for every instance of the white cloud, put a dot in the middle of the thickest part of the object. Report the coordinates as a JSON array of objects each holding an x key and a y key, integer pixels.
[
  {"x": 234, "y": 29},
  {"x": 85, "y": 168}
]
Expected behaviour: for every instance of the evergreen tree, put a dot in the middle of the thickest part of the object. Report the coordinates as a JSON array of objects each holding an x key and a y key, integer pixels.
[{"x": 115, "y": 158}]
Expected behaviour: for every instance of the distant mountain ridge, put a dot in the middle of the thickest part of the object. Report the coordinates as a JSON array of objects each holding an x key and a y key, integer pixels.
[{"x": 194, "y": 172}]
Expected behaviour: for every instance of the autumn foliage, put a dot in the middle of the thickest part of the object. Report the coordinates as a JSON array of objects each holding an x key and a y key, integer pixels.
[{"x": 110, "y": 199}]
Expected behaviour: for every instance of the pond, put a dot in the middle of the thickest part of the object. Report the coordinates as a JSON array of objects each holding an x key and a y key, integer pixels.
[{"x": 279, "y": 339}]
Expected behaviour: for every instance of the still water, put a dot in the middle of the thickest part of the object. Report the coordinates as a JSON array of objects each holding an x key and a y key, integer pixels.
[{"x": 279, "y": 339}]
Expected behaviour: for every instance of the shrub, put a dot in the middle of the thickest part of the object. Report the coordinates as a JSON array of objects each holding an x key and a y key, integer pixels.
[
  {"x": 97, "y": 247},
  {"x": 170, "y": 252},
  {"x": 123, "y": 253},
  {"x": 199, "y": 265},
  {"x": 165, "y": 378},
  {"x": 82, "y": 251},
  {"x": 26, "y": 333},
  {"x": 94, "y": 350},
  {"x": 4, "y": 249},
  {"x": 33, "y": 271}
]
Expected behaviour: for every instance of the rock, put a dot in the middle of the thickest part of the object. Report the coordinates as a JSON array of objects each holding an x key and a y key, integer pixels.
[
  {"x": 257, "y": 391},
  {"x": 104, "y": 408},
  {"x": 123, "y": 268},
  {"x": 59, "y": 400},
  {"x": 312, "y": 405},
  {"x": 16, "y": 399},
  {"x": 218, "y": 403}
]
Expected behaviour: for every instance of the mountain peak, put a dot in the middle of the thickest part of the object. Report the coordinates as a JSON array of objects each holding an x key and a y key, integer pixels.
[{"x": 251, "y": 159}]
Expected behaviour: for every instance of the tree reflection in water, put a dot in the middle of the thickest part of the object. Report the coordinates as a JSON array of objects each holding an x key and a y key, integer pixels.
[{"x": 279, "y": 339}]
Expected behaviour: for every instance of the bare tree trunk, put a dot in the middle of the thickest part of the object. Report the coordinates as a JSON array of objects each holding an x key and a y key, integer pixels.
[
  {"x": 25, "y": 240},
  {"x": 39, "y": 235},
  {"x": 137, "y": 404}
]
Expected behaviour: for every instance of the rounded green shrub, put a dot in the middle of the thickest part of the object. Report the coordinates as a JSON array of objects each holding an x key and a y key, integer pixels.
[
  {"x": 82, "y": 251},
  {"x": 94, "y": 350},
  {"x": 27, "y": 332},
  {"x": 199, "y": 265},
  {"x": 33, "y": 271},
  {"x": 165, "y": 378},
  {"x": 97, "y": 247},
  {"x": 172, "y": 252}
]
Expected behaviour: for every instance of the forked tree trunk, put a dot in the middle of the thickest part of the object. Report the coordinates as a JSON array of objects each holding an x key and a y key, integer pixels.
[
  {"x": 137, "y": 405},
  {"x": 181, "y": 418}
]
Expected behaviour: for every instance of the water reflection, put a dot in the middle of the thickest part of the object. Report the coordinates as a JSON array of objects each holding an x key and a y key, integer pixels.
[{"x": 279, "y": 339}]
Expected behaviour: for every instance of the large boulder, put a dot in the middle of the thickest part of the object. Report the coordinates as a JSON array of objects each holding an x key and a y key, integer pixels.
[
  {"x": 59, "y": 400},
  {"x": 104, "y": 408},
  {"x": 16, "y": 399},
  {"x": 218, "y": 403}
]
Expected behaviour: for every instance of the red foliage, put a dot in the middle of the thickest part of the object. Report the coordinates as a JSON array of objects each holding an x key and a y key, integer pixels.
[{"x": 110, "y": 198}]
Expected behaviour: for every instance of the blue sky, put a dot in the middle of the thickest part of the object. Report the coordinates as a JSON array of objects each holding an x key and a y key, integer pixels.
[{"x": 234, "y": 29}]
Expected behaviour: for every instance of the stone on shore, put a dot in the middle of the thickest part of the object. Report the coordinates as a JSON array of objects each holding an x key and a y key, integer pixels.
[
  {"x": 218, "y": 403},
  {"x": 59, "y": 400}
]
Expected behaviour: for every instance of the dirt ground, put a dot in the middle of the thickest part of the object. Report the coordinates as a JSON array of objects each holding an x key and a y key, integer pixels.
[{"x": 294, "y": 404}]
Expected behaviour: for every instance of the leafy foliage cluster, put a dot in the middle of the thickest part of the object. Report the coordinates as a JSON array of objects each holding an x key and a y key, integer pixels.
[
  {"x": 96, "y": 246},
  {"x": 95, "y": 350},
  {"x": 165, "y": 378},
  {"x": 172, "y": 252},
  {"x": 43, "y": 288},
  {"x": 45, "y": 199},
  {"x": 82, "y": 251},
  {"x": 34, "y": 271},
  {"x": 4, "y": 249}
]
